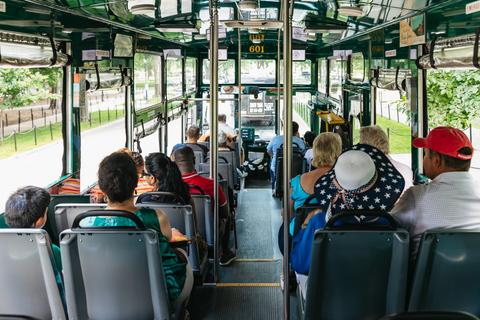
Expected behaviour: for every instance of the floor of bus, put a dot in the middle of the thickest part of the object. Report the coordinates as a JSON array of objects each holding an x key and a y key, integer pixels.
[{"x": 249, "y": 288}]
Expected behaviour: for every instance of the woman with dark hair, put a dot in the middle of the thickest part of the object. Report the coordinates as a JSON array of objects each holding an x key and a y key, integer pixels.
[
  {"x": 117, "y": 178},
  {"x": 163, "y": 174}
]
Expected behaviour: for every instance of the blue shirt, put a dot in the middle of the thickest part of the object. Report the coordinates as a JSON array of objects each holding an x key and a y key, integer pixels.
[
  {"x": 277, "y": 142},
  {"x": 302, "y": 244}
]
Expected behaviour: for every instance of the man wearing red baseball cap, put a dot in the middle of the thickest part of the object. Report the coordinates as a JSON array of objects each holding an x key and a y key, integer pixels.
[{"x": 452, "y": 198}]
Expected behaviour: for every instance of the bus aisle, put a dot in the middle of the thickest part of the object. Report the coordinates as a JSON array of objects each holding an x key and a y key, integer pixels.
[{"x": 249, "y": 287}]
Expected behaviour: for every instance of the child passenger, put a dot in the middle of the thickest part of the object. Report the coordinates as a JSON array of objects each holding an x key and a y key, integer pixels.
[{"x": 27, "y": 208}]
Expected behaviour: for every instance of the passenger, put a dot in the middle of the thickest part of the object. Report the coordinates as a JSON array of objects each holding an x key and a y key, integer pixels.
[
  {"x": 97, "y": 196},
  {"x": 309, "y": 136},
  {"x": 223, "y": 145},
  {"x": 452, "y": 198},
  {"x": 277, "y": 143},
  {"x": 163, "y": 175},
  {"x": 185, "y": 159},
  {"x": 362, "y": 178},
  {"x": 175, "y": 147},
  {"x": 222, "y": 126},
  {"x": 193, "y": 134},
  {"x": 117, "y": 177},
  {"x": 27, "y": 208},
  {"x": 375, "y": 136},
  {"x": 142, "y": 185},
  {"x": 327, "y": 147}
]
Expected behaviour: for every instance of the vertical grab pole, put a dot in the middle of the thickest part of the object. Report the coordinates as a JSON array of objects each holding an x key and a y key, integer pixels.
[
  {"x": 214, "y": 123},
  {"x": 239, "y": 102},
  {"x": 287, "y": 143},
  {"x": 277, "y": 113}
]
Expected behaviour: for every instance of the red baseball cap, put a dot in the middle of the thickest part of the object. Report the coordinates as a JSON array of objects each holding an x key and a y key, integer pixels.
[{"x": 446, "y": 140}]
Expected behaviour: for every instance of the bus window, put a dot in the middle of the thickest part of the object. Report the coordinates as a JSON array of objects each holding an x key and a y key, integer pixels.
[
  {"x": 226, "y": 71},
  {"x": 394, "y": 119},
  {"x": 301, "y": 72},
  {"x": 148, "y": 83},
  {"x": 106, "y": 112},
  {"x": 190, "y": 74},
  {"x": 174, "y": 77},
  {"x": 258, "y": 72},
  {"x": 44, "y": 166},
  {"x": 322, "y": 76},
  {"x": 259, "y": 113},
  {"x": 335, "y": 79}
]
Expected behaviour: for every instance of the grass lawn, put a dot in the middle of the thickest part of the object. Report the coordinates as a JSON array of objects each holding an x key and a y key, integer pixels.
[
  {"x": 400, "y": 135},
  {"x": 26, "y": 141}
]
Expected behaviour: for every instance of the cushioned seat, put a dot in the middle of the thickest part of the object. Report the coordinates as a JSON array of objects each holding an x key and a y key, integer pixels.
[
  {"x": 358, "y": 271},
  {"x": 31, "y": 284},
  {"x": 114, "y": 273},
  {"x": 446, "y": 272}
]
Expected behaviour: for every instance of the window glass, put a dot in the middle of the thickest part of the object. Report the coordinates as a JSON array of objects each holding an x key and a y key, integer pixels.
[
  {"x": 226, "y": 71},
  {"x": 148, "y": 83},
  {"x": 357, "y": 67},
  {"x": 258, "y": 72},
  {"x": 191, "y": 74},
  {"x": 43, "y": 166},
  {"x": 335, "y": 77},
  {"x": 322, "y": 76},
  {"x": 174, "y": 77},
  {"x": 301, "y": 72}
]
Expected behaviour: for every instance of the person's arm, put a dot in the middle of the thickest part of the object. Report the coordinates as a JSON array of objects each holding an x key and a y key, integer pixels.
[
  {"x": 270, "y": 153},
  {"x": 223, "y": 211},
  {"x": 242, "y": 157},
  {"x": 164, "y": 224},
  {"x": 192, "y": 204}
]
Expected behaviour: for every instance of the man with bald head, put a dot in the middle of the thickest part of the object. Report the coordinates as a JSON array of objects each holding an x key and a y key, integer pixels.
[{"x": 185, "y": 160}]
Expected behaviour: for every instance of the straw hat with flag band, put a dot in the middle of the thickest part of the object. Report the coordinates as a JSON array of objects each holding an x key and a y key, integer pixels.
[{"x": 362, "y": 178}]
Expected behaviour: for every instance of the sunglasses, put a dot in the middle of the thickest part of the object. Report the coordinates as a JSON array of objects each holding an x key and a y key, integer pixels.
[{"x": 146, "y": 173}]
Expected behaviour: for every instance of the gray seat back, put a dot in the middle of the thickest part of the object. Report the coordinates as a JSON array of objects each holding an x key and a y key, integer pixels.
[
  {"x": 365, "y": 270},
  {"x": 113, "y": 275},
  {"x": 448, "y": 262},
  {"x": 431, "y": 315},
  {"x": 203, "y": 208},
  {"x": 29, "y": 275},
  {"x": 231, "y": 158},
  {"x": 198, "y": 159},
  {"x": 65, "y": 213},
  {"x": 225, "y": 170},
  {"x": 180, "y": 218}
]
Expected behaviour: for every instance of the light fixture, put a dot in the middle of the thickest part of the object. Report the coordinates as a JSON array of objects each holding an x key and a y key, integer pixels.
[
  {"x": 67, "y": 31},
  {"x": 145, "y": 9},
  {"x": 187, "y": 22},
  {"x": 254, "y": 30},
  {"x": 350, "y": 11},
  {"x": 247, "y": 5},
  {"x": 252, "y": 24},
  {"x": 323, "y": 30},
  {"x": 388, "y": 40},
  {"x": 144, "y": 37},
  {"x": 256, "y": 41},
  {"x": 200, "y": 37},
  {"x": 320, "y": 24},
  {"x": 309, "y": 37}
]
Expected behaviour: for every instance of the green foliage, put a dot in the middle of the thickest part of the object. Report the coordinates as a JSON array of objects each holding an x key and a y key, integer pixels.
[
  {"x": 22, "y": 87},
  {"x": 453, "y": 97}
]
